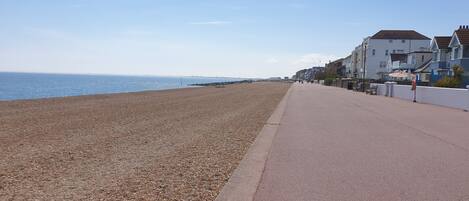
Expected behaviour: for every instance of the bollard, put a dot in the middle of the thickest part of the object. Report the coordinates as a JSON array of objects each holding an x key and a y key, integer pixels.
[
  {"x": 387, "y": 87},
  {"x": 391, "y": 89}
]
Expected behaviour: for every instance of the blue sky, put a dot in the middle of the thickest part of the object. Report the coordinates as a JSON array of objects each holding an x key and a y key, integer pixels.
[{"x": 208, "y": 38}]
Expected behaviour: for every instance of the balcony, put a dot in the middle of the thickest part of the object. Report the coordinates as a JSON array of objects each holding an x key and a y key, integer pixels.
[
  {"x": 440, "y": 65},
  {"x": 461, "y": 62}
]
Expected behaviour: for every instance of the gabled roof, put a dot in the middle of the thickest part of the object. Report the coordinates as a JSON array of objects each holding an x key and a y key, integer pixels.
[
  {"x": 442, "y": 41},
  {"x": 399, "y": 34},
  {"x": 398, "y": 57},
  {"x": 463, "y": 36}
]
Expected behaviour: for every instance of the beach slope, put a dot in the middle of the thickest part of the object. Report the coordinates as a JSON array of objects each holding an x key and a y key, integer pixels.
[{"x": 167, "y": 145}]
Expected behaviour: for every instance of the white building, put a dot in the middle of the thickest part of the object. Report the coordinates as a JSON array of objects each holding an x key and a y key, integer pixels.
[
  {"x": 347, "y": 62},
  {"x": 377, "y": 49},
  {"x": 357, "y": 60}
]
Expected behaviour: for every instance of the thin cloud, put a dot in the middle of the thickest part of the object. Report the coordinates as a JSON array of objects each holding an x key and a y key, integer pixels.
[
  {"x": 211, "y": 23},
  {"x": 313, "y": 59},
  {"x": 272, "y": 60}
]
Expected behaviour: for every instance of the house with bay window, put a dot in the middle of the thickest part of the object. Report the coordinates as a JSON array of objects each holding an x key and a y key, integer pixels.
[
  {"x": 449, "y": 51},
  {"x": 441, "y": 51},
  {"x": 459, "y": 45}
]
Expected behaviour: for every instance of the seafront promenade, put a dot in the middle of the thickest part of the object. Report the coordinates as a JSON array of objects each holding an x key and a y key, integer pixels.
[{"x": 334, "y": 144}]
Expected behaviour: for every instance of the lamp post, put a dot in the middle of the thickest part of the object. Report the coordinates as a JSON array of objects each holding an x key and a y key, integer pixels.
[{"x": 365, "y": 46}]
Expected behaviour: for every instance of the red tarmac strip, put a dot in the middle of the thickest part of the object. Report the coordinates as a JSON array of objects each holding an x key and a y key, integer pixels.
[{"x": 334, "y": 144}]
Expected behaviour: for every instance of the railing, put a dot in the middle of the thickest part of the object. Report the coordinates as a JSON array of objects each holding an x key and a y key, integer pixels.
[{"x": 440, "y": 64}]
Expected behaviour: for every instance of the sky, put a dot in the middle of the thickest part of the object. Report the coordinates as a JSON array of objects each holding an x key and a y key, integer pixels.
[{"x": 229, "y": 38}]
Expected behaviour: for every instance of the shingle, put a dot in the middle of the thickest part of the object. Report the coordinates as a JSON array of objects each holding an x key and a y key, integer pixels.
[
  {"x": 463, "y": 36},
  {"x": 399, "y": 34},
  {"x": 443, "y": 41}
]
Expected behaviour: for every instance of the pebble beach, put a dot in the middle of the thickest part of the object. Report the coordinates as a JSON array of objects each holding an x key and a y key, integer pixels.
[{"x": 161, "y": 145}]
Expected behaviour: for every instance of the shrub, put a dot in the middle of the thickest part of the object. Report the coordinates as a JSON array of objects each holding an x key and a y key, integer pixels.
[
  {"x": 328, "y": 81},
  {"x": 452, "y": 82},
  {"x": 448, "y": 82},
  {"x": 458, "y": 72}
]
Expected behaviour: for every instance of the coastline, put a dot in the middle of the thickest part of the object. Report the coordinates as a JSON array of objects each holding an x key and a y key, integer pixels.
[
  {"x": 191, "y": 86},
  {"x": 101, "y": 94},
  {"x": 178, "y": 144},
  {"x": 32, "y": 86}
]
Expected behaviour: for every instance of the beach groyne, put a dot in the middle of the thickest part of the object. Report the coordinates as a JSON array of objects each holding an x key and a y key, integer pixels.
[{"x": 221, "y": 83}]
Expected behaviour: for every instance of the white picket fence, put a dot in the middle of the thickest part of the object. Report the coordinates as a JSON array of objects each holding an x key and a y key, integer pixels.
[{"x": 454, "y": 98}]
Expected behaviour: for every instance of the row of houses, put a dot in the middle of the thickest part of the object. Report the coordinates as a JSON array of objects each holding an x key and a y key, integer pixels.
[
  {"x": 308, "y": 74},
  {"x": 391, "y": 51}
]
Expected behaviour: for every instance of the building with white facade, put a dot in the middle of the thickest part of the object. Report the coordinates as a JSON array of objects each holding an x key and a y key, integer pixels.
[
  {"x": 376, "y": 50},
  {"x": 357, "y": 60},
  {"x": 347, "y": 62}
]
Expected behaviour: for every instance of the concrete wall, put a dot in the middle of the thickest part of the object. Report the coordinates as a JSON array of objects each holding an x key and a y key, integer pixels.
[
  {"x": 454, "y": 98},
  {"x": 403, "y": 92}
]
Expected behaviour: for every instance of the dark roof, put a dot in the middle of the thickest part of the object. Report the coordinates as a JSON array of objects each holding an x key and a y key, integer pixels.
[
  {"x": 399, "y": 57},
  {"x": 336, "y": 62},
  {"x": 463, "y": 36},
  {"x": 399, "y": 34},
  {"x": 443, "y": 41}
]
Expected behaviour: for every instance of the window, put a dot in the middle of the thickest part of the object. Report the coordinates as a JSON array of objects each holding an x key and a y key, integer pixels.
[
  {"x": 374, "y": 52},
  {"x": 403, "y": 41},
  {"x": 465, "y": 52},
  {"x": 390, "y": 41},
  {"x": 382, "y": 64},
  {"x": 456, "y": 53},
  {"x": 393, "y": 51},
  {"x": 387, "y": 53},
  {"x": 423, "y": 58}
]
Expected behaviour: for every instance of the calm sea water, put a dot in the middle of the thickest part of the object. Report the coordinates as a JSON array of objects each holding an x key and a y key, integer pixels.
[{"x": 16, "y": 86}]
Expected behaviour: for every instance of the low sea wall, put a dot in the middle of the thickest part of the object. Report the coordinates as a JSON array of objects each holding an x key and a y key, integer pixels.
[{"x": 454, "y": 98}]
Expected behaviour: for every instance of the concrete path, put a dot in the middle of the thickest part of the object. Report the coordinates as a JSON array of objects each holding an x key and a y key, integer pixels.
[{"x": 334, "y": 144}]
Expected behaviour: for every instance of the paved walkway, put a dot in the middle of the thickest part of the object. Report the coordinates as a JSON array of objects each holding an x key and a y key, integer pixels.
[{"x": 334, "y": 144}]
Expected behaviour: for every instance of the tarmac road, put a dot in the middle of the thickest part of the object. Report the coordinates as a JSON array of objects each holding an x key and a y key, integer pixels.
[{"x": 334, "y": 144}]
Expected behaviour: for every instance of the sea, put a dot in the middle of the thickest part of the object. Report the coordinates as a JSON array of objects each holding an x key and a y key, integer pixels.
[{"x": 20, "y": 86}]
